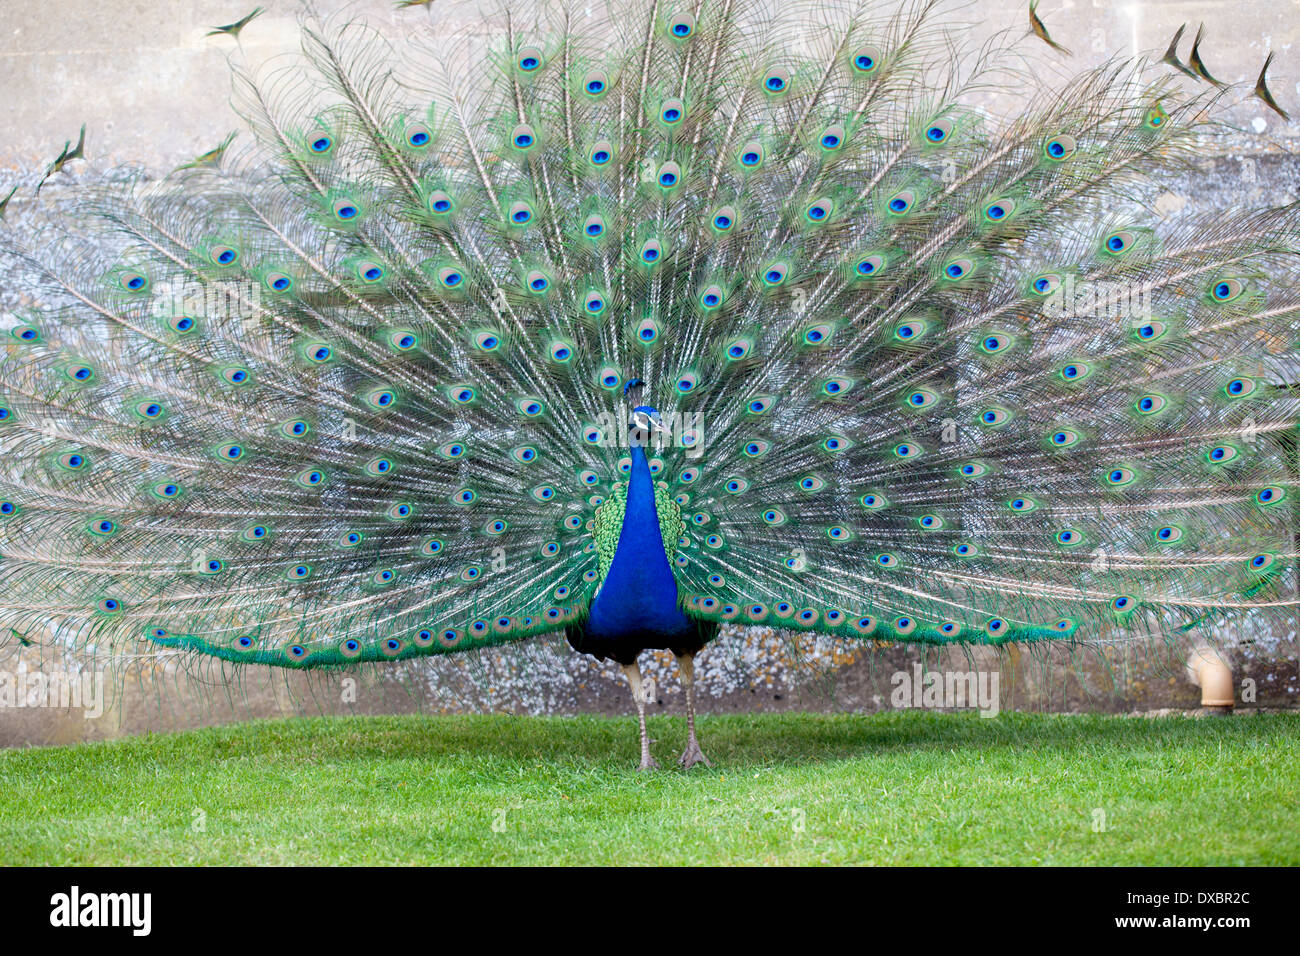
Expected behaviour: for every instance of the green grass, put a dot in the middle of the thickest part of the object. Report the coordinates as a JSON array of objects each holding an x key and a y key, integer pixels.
[{"x": 792, "y": 788}]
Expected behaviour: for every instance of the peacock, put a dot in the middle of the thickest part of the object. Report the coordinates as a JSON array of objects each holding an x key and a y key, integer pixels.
[{"x": 629, "y": 322}]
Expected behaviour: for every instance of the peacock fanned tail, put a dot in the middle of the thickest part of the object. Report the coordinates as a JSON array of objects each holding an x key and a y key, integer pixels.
[{"x": 357, "y": 393}]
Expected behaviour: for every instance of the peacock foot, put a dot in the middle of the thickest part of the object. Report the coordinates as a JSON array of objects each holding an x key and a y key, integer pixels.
[
  {"x": 693, "y": 755},
  {"x": 648, "y": 763}
]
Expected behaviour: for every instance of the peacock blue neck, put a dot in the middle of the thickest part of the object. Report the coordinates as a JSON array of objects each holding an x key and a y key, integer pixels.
[{"x": 638, "y": 598}]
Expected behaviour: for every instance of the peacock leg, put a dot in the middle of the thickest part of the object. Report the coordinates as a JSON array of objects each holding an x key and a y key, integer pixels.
[
  {"x": 692, "y": 754},
  {"x": 633, "y": 672}
]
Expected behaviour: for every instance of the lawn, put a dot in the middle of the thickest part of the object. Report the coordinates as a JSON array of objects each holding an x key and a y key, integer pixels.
[{"x": 906, "y": 787}]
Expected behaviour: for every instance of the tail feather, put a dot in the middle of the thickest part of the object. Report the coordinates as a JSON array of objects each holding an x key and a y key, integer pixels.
[{"x": 355, "y": 394}]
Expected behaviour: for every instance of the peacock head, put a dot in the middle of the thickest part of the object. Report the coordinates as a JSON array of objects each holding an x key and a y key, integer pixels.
[{"x": 643, "y": 423}]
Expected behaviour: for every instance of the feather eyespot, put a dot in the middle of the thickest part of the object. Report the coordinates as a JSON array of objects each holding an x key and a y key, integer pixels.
[
  {"x": 1152, "y": 403},
  {"x": 738, "y": 349},
  {"x": 670, "y": 175},
  {"x": 1225, "y": 290},
  {"x": 1045, "y": 284},
  {"x": 345, "y": 210},
  {"x": 255, "y": 533},
  {"x": 1060, "y": 148},
  {"x": 938, "y": 132},
  {"x": 595, "y": 83},
  {"x": 959, "y": 269},
  {"x": 418, "y": 136},
  {"x": 278, "y": 281},
  {"x": 1120, "y": 476},
  {"x": 999, "y": 210},
  {"x": 1240, "y": 387},
  {"x": 819, "y": 210},
  {"x": 776, "y": 81},
  {"x": 672, "y": 111},
  {"x": 133, "y": 281},
  {"x": 681, "y": 26},
  {"x": 522, "y": 137},
  {"x": 869, "y": 266},
  {"x": 1118, "y": 243},
  {"x": 901, "y": 203},
  {"x": 910, "y": 330},
  {"x": 1075, "y": 371},
  {"x": 775, "y": 273},
  {"x": 529, "y": 59},
  {"x": 224, "y": 255},
  {"x": 865, "y": 59},
  {"x": 832, "y": 138}
]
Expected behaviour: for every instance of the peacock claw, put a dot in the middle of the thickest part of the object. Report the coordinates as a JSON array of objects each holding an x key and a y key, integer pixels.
[
  {"x": 648, "y": 763},
  {"x": 693, "y": 755}
]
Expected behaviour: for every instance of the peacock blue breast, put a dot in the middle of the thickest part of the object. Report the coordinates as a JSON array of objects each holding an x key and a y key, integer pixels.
[{"x": 637, "y": 604}]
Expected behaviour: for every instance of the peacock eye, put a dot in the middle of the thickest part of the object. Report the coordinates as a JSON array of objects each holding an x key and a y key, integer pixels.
[
  {"x": 418, "y": 136},
  {"x": 999, "y": 210},
  {"x": 865, "y": 59},
  {"x": 832, "y": 137},
  {"x": 1059, "y": 148},
  {"x": 529, "y": 59},
  {"x": 1045, "y": 284},
  {"x": 901, "y": 202},
  {"x": 938, "y": 132},
  {"x": 776, "y": 81}
]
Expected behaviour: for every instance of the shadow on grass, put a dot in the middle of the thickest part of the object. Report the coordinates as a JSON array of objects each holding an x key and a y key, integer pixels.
[{"x": 729, "y": 740}]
